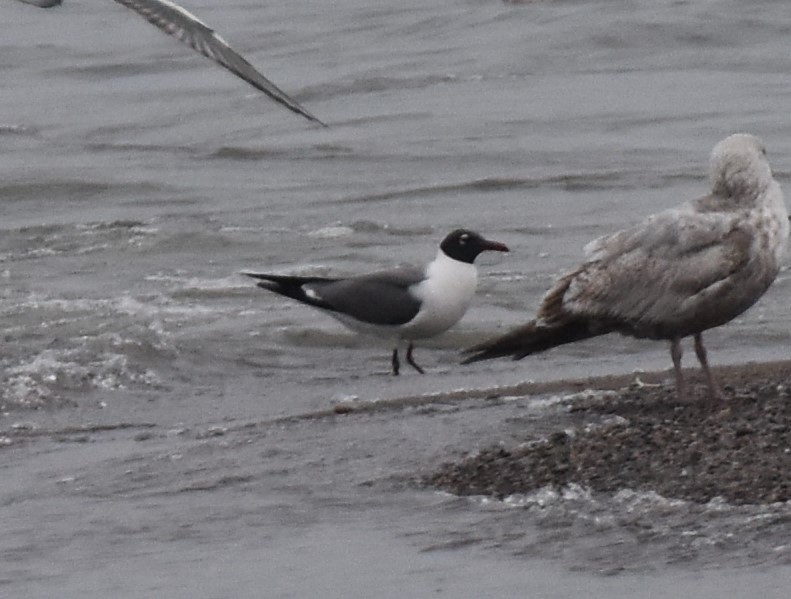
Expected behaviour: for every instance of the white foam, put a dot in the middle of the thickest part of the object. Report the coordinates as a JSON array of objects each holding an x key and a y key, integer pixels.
[
  {"x": 132, "y": 306},
  {"x": 43, "y": 379},
  {"x": 94, "y": 344},
  {"x": 332, "y": 232}
]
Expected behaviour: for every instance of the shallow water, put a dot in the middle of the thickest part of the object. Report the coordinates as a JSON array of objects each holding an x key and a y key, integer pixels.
[{"x": 138, "y": 180}]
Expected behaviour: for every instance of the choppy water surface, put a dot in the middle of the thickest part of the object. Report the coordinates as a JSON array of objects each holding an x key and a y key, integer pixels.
[{"x": 138, "y": 180}]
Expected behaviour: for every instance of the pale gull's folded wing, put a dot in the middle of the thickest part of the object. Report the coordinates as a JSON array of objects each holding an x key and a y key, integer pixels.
[{"x": 676, "y": 268}]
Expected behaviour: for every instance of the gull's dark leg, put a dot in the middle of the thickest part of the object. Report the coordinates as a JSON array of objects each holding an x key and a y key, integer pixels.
[
  {"x": 700, "y": 351},
  {"x": 411, "y": 361},
  {"x": 675, "y": 353},
  {"x": 396, "y": 363}
]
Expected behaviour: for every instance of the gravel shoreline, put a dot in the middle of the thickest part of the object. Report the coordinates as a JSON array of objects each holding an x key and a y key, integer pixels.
[{"x": 641, "y": 438}]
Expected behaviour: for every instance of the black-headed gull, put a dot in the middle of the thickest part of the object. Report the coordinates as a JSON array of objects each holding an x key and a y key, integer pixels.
[{"x": 406, "y": 303}]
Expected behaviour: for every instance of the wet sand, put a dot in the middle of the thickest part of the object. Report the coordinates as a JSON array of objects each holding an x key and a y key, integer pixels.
[{"x": 638, "y": 436}]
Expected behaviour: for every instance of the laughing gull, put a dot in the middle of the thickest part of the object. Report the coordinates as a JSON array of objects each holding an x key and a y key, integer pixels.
[
  {"x": 679, "y": 273},
  {"x": 406, "y": 303},
  {"x": 183, "y": 25}
]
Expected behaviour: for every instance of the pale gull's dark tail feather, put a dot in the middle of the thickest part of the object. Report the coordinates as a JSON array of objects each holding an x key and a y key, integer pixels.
[
  {"x": 183, "y": 25},
  {"x": 528, "y": 339}
]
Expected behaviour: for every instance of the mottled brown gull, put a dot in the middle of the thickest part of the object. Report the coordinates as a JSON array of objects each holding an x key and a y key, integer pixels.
[{"x": 679, "y": 273}]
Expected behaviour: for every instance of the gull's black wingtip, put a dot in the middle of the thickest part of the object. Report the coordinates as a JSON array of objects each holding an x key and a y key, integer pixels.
[
  {"x": 298, "y": 109},
  {"x": 253, "y": 275},
  {"x": 264, "y": 281},
  {"x": 319, "y": 122}
]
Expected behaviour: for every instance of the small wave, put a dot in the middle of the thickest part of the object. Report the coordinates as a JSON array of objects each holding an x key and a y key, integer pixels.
[
  {"x": 330, "y": 337},
  {"x": 64, "y": 189},
  {"x": 157, "y": 308},
  {"x": 317, "y": 151},
  {"x": 123, "y": 69},
  {"x": 127, "y": 148},
  {"x": 123, "y": 225},
  {"x": 635, "y": 529},
  {"x": 571, "y": 182},
  {"x": 332, "y": 232},
  {"x": 340, "y": 229},
  {"x": 39, "y": 241},
  {"x": 375, "y": 84},
  {"x": 19, "y": 130},
  {"x": 59, "y": 348},
  {"x": 46, "y": 380},
  {"x": 200, "y": 288}
]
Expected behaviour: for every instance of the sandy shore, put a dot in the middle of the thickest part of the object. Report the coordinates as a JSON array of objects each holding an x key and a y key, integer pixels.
[{"x": 638, "y": 436}]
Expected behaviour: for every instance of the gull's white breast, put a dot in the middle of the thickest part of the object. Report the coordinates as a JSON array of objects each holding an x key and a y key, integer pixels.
[{"x": 446, "y": 293}]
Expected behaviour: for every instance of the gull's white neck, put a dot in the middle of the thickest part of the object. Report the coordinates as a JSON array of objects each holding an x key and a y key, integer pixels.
[{"x": 446, "y": 293}]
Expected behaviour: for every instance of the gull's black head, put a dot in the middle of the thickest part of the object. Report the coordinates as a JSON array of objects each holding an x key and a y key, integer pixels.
[{"x": 464, "y": 245}]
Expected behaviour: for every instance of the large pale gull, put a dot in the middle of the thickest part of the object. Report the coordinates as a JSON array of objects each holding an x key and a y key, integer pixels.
[{"x": 679, "y": 273}]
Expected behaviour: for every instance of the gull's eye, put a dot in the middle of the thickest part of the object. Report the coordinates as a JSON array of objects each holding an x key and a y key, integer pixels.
[{"x": 464, "y": 239}]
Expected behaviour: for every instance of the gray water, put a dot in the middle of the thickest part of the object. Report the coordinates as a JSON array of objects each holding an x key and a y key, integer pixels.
[{"x": 157, "y": 407}]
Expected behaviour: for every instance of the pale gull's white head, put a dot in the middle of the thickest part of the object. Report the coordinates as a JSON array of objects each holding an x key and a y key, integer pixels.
[{"x": 739, "y": 168}]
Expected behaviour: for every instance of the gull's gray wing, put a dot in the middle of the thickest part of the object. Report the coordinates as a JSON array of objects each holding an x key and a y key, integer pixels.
[
  {"x": 381, "y": 298},
  {"x": 668, "y": 275},
  {"x": 176, "y": 21}
]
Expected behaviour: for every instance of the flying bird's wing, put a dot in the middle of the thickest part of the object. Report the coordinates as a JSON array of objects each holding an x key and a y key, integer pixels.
[{"x": 176, "y": 21}]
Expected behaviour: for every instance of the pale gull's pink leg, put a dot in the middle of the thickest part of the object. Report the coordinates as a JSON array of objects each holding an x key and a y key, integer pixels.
[
  {"x": 675, "y": 353},
  {"x": 700, "y": 351}
]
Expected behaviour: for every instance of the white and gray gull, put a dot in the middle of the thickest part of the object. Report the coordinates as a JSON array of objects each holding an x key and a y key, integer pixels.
[
  {"x": 406, "y": 303},
  {"x": 679, "y": 273},
  {"x": 183, "y": 25}
]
